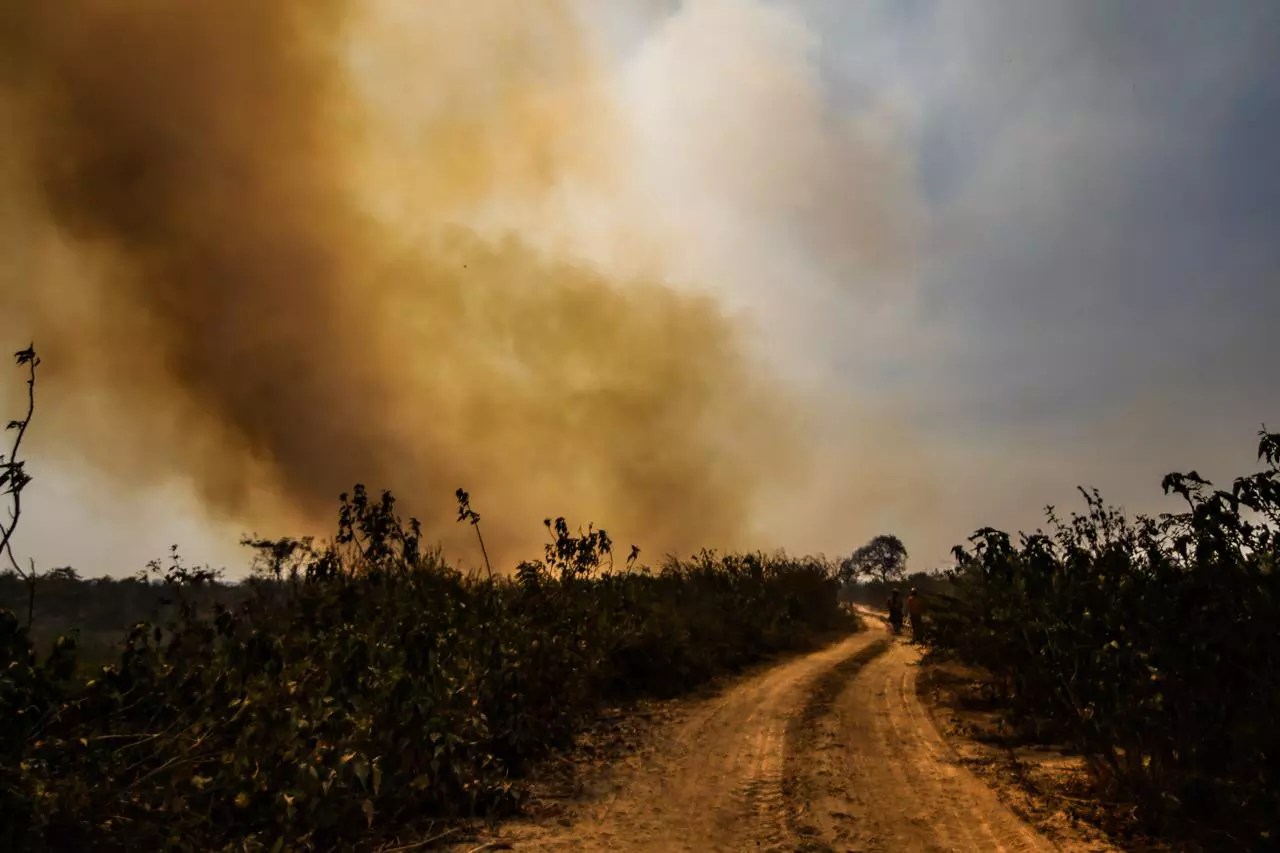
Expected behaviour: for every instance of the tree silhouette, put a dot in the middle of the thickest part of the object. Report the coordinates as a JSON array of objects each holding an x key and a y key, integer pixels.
[{"x": 884, "y": 559}]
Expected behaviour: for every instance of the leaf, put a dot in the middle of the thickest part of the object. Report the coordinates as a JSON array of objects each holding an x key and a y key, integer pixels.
[
  {"x": 367, "y": 806},
  {"x": 361, "y": 769}
]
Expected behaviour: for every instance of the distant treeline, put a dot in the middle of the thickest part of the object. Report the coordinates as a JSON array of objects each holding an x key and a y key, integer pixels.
[{"x": 99, "y": 610}]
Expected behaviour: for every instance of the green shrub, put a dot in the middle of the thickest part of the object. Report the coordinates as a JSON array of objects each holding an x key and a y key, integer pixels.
[
  {"x": 1154, "y": 644},
  {"x": 356, "y": 689}
]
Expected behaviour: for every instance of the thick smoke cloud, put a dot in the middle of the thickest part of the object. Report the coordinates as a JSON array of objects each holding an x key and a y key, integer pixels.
[
  {"x": 212, "y": 252},
  {"x": 991, "y": 250}
]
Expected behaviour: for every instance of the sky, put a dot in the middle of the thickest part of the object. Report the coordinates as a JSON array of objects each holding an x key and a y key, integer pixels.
[{"x": 963, "y": 257}]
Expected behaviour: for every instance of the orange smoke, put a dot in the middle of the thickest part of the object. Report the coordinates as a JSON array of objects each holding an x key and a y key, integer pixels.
[{"x": 221, "y": 294}]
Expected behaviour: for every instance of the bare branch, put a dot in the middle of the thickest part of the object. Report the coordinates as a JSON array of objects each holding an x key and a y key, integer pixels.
[{"x": 14, "y": 478}]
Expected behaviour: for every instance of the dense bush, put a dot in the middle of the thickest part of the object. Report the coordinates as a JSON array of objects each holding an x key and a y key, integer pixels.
[
  {"x": 1153, "y": 643},
  {"x": 364, "y": 686}
]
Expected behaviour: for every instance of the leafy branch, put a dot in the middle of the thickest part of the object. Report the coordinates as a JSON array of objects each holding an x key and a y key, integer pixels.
[
  {"x": 469, "y": 515},
  {"x": 14, "y": 478}
]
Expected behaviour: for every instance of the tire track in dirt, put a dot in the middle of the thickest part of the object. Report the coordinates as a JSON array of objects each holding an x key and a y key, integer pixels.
[
  {"x": 869, "y": 771},
  {"x": 715, "y": 781},
  {"x": 832, "y": 752}
]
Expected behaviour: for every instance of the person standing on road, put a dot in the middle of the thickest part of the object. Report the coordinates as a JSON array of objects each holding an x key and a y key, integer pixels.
[
  {"x": 915, "y": 609},
  {"x": 895, "y": 611}
]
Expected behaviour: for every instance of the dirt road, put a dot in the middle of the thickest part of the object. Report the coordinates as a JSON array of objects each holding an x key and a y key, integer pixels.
[{"x": 828, "y": 752}]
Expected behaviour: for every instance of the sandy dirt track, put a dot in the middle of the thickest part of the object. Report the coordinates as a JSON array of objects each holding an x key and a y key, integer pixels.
[{"x": 832, "y": 751}]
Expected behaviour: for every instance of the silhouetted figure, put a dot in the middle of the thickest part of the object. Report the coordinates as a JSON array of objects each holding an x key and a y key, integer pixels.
[
  {"x": 895, "y": 611},
  {"x": 915, "y": 610}
]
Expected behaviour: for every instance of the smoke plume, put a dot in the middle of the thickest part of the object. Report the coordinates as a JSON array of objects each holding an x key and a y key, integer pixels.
[{"x": 234, "y": 281}]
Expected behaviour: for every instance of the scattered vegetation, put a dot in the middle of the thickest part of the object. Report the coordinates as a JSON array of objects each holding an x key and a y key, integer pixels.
[
  {"x": 1152, "y": 644},
  {"x": 355, "y": 690}
]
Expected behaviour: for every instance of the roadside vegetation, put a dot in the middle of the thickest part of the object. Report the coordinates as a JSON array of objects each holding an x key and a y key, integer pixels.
[
  {"x": 1150, "y": 644},
  {"x": 353, "y": 694},
  {"x": 359, "y": 693}
]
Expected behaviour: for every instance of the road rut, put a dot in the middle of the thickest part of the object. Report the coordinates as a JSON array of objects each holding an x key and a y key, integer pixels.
[{"x": 831, "y": 751}]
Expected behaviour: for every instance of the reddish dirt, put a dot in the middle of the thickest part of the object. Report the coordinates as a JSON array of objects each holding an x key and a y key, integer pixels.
[
  {"x": 831, "y": 751},
  {"x": 1046, "y": 784}
]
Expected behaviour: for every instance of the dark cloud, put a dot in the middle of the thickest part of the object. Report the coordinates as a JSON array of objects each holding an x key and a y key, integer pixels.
[
  {"x": 1105, "y": 204},
  {"x": 1100, "y": 272}
]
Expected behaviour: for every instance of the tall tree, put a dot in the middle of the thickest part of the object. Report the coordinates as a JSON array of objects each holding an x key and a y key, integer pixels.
[{"x": 884, "y": 559}]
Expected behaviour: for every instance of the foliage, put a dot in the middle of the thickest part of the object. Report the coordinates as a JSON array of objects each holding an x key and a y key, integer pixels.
[
  {"x": 932, "y": 586},
  {"x": 361, "y": 687},
  {"x": 1151, "y": 643},
  {"x": 883, "y": 559},
  {"x": 14, "y": 478}
]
